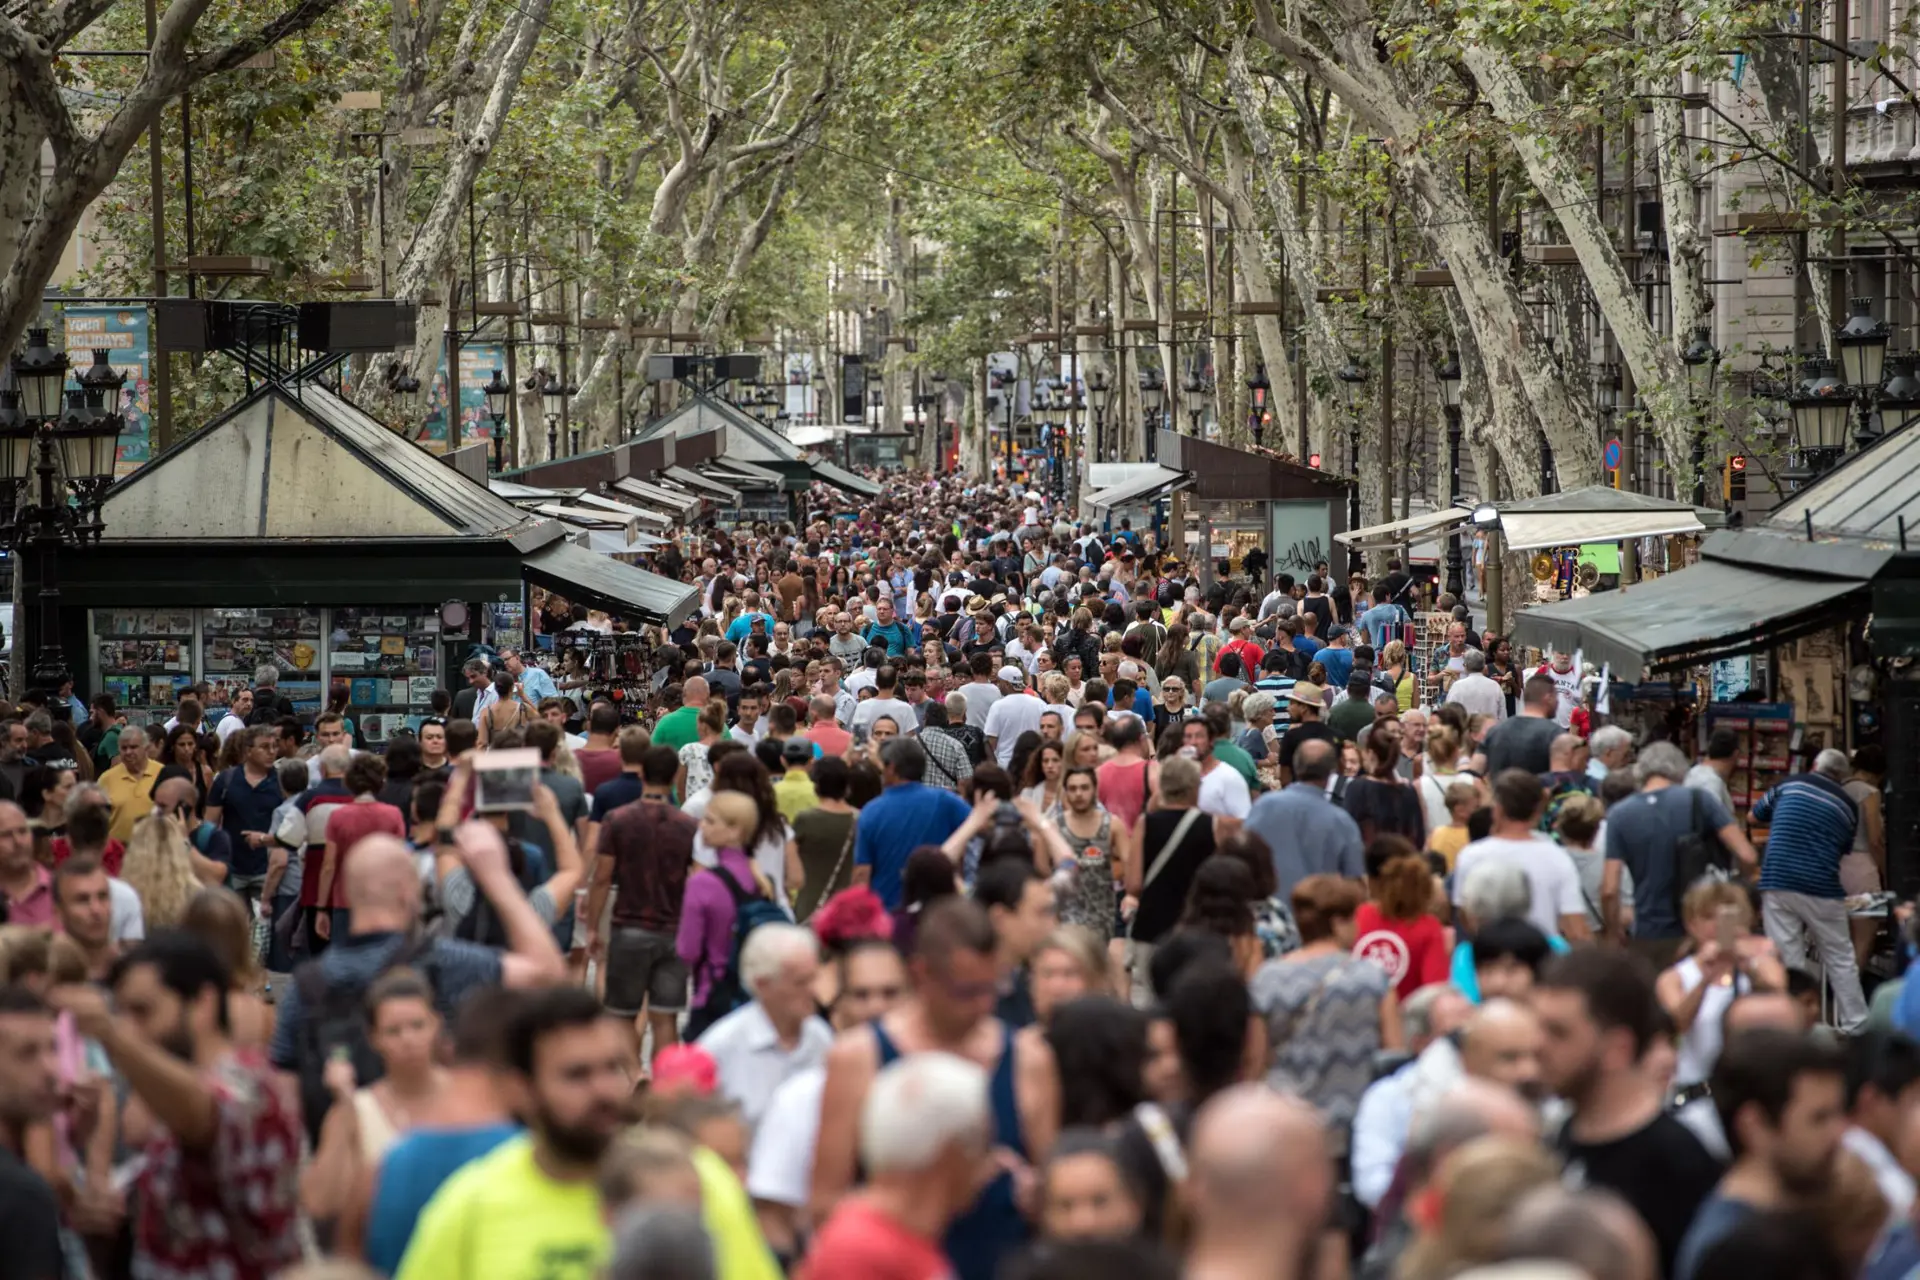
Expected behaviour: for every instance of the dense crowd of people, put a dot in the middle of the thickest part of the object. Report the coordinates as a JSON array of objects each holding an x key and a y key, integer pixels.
[{"x": 978, "y": 893}]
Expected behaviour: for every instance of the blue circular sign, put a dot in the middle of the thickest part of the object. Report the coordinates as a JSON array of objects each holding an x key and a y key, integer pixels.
[{"x": 1612, "y": 454}]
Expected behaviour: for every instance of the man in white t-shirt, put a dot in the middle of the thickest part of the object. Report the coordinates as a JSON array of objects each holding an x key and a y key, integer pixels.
[
  {"x": 1564, "y": 670},
  {"x": 1017, "y": 711},
  {"x": 885, "y": 702},
  {"x": 1223, "y": 792},
  {"x": 1557, "y": 906}
]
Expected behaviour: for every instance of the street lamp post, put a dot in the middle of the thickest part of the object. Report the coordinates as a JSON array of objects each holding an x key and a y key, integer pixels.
[
  {"x": 1193, "y": 390},
  {"x": 1821, "y": 407},
  {"x": 499, "y": 393},
  {"x": 49, "y": 434},
  {"x": 1257, "y": 388},
  {"x": 1153, "y": 393},
  {"x": 1449, "y": 377},
  {"x": 939, "y": 407},
  {"x": 1098, "y": 389},
  {"x": 553, "y": 403},
  {"x": 1863, "y": 354},
  {"x": 1702, "y": 361},
  {"x": 1013, "y": 386},
  {"x": 1351, "y": 375}
]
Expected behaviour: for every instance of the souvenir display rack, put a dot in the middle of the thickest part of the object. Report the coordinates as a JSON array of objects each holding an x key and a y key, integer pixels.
[
  {"x": 1765, "y": 754},
  {"x": 234, "y": 643},
  {"x": 389, "y": 660},
  {"x": 145, "y": 659},
  {"x": 620, "y": 663}
]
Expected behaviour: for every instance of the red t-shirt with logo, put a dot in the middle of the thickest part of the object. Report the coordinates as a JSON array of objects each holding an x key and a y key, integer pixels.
[
  {"x": 861, "y": 1243},
  {"x": 1413, "y": 952}
]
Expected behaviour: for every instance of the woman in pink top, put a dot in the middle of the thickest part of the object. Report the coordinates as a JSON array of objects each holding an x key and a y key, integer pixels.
[
  {"x": 1126, "y": 781},
  {"x": 705, "y": 937}
]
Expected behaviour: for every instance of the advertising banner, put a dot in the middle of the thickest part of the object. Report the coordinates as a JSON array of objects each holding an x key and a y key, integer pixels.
[
  {"x": 478, "y": 360},
  {"x": 124, "y": 333}
]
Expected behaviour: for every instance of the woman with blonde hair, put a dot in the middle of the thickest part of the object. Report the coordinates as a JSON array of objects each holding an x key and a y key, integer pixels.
[
  {"x": 1443, "y": 762},
  {"x": 1725, "y": 960},
  {"x": 1461, "y": 1218},
  {"x": 1068, "y": 964},
  {"x": 222, "y": 919},
  {"x": 1083, "y": 750},
  {"x": 165, "y": 870}
]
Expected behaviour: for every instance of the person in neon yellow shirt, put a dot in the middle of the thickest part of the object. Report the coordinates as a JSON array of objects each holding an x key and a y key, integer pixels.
[{"x": 531, "y": 1209}]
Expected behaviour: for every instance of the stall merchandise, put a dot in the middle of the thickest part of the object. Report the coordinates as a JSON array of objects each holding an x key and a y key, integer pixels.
[
  {"x": 145, "y": 659},
  {"x": 389, "y": 661},
  {"x": 1764, "y": 756},
  {"x": 236, "y": 643},
  {"x": 620, "y": 663}
]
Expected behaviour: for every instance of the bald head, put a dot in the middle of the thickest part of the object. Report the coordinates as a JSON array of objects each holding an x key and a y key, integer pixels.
[
  {"x": 174, "y": 793},
  {"x": 1260, "y": 1162},
  {"x": 1772, "y": 1009},
  {"x": 1501, "y": 1043},
  {"x": 1561, "y": 751},
  {"x": 1474, "y": 1108},
  {"x": 1313, "y": 760},
  {"x": 694, "y": 693},
  {"x": 382, "y": 883},
  {"x": 1593, "y": 1229}
]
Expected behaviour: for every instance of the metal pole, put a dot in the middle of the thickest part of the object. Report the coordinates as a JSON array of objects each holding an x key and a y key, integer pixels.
[
  {"x": 1456, "y": 560},
  {"x": 49, "y": 670},
  {"x": 186, "y": 174},
  {"x": 162, "y": 363}
]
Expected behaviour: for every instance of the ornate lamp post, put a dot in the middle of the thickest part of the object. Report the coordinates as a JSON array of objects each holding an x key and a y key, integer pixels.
[
  {"x": 1821, "y": 406},
  {"x": 1153, "y": 394},
  {"x": 499, "y": 393},
  {"x": 1863, "y": 353},
  {"x": 1098, "y": 390},
  {"x": 1257, "y": 388},
  {"x": 51, "y": 439},
  {"x": 1193, "y": 394},
  {"x": 1449, "y": 377},
  {"x": 1351, "y": 376},
  {"x": 553, "y": 404},
  {"x": 1702, "y": 360},
  {"x": 939, "y": 406}
]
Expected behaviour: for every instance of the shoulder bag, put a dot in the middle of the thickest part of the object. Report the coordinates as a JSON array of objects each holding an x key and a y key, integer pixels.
[{"x": 1161, "y": 858}]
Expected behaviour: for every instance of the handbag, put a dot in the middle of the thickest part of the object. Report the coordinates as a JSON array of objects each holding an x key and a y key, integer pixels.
[
  {"x": 1698, "y": 855},
  {"x": 1165, "y": 855},
  {"x": 841, "y": 861}
]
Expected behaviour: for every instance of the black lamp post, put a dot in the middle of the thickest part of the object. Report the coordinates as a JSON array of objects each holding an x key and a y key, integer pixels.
[
  {"x": 1702, "y": 360},
  {"x": 939, "y": 407},
  {"x": 1012, "y": 388},
  {"x": 49, "y": 433},
  {"x": 1821, "y": 407},
  {"x": 1098, "y": 389},
  {"x": 553, "y": 403},
  {"x": 499, "y": 393},
  {"x": 819, "y": 395},
  {"x": 1257, "y": 388},
  {"x": 1351, "y": 375},
  {"x": 1901, "y": 395},
  {"x": 1863, "y": 353},
  {"x": 1193, "y": 392},
  {"x": 1449, "y": 377},
  {"x": 1153, "y": 395}
]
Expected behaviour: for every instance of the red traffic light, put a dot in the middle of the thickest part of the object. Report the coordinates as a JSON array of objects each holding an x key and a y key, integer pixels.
[{"x": 1737, "y": 462}]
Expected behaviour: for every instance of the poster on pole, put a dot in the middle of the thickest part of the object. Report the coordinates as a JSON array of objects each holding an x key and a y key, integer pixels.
[
  {"x": 123, "y": 332},
  {"x": 478, "y": 360}
]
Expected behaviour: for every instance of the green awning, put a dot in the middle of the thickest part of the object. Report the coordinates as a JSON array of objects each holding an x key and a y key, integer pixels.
[{"x": 585, "y": 577}]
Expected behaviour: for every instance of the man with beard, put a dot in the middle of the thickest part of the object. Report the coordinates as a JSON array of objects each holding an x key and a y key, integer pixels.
[
  {"x": 1781, "y": 1099},
  {"x": 1597, "y": 1015},
  {"x": 29, "y": 1095},
  {"x": 220, "y": 1190},
  {"x": 531, "y": 1206}
]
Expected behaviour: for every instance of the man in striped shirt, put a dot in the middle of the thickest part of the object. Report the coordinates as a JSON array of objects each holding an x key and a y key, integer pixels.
[{"x": 1810, "y": 823}]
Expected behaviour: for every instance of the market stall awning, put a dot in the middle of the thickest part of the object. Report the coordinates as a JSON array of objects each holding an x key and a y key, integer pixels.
[
  {"x": 584, "y": 577},
  {"x": 1150, "y": 485},
  {"x": 841, "y": 478},
  {"x": 704, "y": 483},
  {"x": 807, "y": 437},
  {"x": 678, "y": 501},
  {"x": 514, "y": 491},
  {"x": 643, "y": 512},
  {"x": 753, "y": 475},
  {"x": 1710, "y": 610},
  {"x": 1394, "y": 532},
  {"x": 1527, "y": 531},
  {"x": 602, "y": 542},
  {"x": 600, "y": 515}
]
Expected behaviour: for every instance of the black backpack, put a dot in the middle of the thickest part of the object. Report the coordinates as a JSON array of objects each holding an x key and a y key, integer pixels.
[
  {"x": 728, "y": 990},
  {"x": 334, "y": 1018},
  {"x": 482, "y": 924}
]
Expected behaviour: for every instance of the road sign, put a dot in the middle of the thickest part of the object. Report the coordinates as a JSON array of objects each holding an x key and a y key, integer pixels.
[{"x": 1611, "y": 455}]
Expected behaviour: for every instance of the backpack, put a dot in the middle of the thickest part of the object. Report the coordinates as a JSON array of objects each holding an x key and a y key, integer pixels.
[
  {"x": 334, "y": 1019},
  {"x": 728, "y": 991},
  {"x": 1698, "y": 855},
  {"x": 482, "y": 924}
]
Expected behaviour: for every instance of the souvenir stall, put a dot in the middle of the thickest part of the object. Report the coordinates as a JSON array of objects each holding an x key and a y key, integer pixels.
[{"x": 336, "y": 552}]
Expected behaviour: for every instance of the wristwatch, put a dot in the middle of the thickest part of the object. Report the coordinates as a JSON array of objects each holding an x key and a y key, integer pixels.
[{"x": 443, "y": 835}]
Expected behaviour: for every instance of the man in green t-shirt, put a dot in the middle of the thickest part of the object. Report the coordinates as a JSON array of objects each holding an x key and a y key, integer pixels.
[
  {"x": 682, "y": 725},
  {"x": 1352, "y": 714}
]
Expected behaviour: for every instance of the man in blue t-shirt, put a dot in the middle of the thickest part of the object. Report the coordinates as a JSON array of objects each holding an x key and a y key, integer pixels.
[
  {"x": 898, "y": 636},
  {"x": 900, "y": 819},
  {"x": 1378, "y": 623}
]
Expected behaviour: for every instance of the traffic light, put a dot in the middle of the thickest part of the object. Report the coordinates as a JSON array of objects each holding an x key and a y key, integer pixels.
[{"x": 1733, "y": 485}]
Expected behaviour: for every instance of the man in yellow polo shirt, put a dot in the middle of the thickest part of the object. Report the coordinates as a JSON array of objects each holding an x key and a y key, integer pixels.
[
  {"x": 530, "y": 1210},
  {"x": 129, "y": 783}
]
